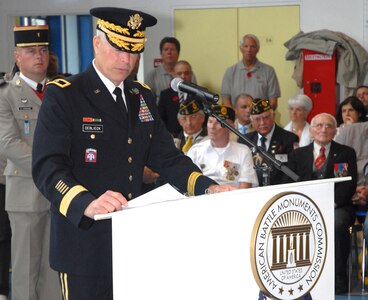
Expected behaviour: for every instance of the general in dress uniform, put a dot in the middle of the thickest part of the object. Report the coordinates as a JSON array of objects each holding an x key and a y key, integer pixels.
[{"x": 88, "y": 146}]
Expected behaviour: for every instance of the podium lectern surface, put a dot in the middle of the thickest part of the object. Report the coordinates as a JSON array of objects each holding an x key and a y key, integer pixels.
[{"x": 200, "y": 247}]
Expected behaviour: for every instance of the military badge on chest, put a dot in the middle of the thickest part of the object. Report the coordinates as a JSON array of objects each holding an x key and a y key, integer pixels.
[
  {"x": 231, "y": 170},
  {"x": 278, "y": 151},
  {"x": 25, "y": 108},
  {"x": 92, "y": 126},
  {"x": 341, "y": 169}
]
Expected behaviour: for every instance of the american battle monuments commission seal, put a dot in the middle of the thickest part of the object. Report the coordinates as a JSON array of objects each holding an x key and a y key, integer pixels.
[{"x": 288, "y": 246}]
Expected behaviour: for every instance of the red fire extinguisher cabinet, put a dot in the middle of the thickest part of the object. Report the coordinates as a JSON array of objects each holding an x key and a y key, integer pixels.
[{"x": 319, "y": 81}]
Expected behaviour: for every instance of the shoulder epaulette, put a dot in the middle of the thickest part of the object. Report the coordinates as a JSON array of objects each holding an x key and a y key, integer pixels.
[
  {"x": 143, "y": 84},
  {"x": 60, "y": 82}
]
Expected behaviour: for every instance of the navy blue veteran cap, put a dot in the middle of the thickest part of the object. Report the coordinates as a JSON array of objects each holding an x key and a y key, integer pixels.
[
  {"x": 224, "y": 111},
  {"x": 189, "y": 108},
  {"x": 260, "y": 105},
  {"x": 28, "y": 36},
  {"x": 124, "y": 28}
]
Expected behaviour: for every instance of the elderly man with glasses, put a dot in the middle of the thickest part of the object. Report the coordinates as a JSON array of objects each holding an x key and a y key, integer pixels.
[{"x": 324, "y": 158}]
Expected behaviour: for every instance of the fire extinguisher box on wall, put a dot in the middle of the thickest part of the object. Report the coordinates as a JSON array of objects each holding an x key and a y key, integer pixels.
[{"x": 319, "y": 81}]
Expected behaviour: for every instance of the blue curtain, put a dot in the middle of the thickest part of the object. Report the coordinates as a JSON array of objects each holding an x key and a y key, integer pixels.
[
  {"x": 85, "y": 35},
  {"x": 56, "y": 46}
]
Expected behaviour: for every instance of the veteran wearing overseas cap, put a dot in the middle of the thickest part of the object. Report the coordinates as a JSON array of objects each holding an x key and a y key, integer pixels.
[
  {"x": 221, "y": 159},
  {"x": 28, "y": 210},
  {"x": 274, "y": 139},
  {"x": 191, "y": 119},
  {"x": 95, "y": 133}
]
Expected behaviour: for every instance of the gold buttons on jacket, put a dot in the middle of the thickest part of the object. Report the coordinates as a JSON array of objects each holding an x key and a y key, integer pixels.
[
  {"x": 130, "y": 195},
  {"x": 130, "y": 159},
  {"x": 130, "y": 141},
  {"x": 93, "y": 136},
  {"x": 130, "y": 178},
  {"x": 150, "y": 135}
]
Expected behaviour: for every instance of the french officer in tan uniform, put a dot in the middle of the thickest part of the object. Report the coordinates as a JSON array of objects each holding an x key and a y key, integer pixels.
[{"x": 28, "y": 210}]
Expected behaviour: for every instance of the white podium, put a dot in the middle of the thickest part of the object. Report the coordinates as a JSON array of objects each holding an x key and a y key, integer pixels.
[{"x": 213, "y": 246}]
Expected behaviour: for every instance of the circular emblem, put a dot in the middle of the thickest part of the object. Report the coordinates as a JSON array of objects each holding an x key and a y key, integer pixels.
[{"x": 288, "y": 246}]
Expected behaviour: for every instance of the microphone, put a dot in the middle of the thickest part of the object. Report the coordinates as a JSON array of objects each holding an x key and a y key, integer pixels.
[{"x": 178, "y": 84}]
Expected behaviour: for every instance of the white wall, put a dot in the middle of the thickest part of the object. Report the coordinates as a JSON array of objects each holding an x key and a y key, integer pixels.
[{"x": 338, "y": 15}]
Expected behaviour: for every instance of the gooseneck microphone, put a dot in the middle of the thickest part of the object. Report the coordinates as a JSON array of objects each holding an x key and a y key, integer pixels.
[{"x": 178, "y": 84}]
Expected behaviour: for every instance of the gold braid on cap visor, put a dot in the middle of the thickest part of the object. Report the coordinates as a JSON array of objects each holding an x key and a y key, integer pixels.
[{"x": 122, "y": 41}]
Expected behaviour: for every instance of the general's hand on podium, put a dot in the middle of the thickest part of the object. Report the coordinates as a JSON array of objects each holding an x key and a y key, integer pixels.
[
  {"x": 108, "y": 202},
  {"x": 220, "y": 188}
]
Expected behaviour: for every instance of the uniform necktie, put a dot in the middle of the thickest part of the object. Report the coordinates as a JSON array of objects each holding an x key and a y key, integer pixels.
[
  {"x": 188, "y": 144},
  {"x": 39, "y": 87},
  {"x": 120, "y": 101},
  {"x": 263, "y": 142},
  {"x": 321, "y": 158}
]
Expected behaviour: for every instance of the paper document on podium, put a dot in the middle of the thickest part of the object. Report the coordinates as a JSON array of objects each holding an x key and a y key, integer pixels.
[{"x": 160, "y": 194}]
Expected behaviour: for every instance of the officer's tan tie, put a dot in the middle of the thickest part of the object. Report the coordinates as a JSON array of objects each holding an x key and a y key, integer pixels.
[{"x": 188, "y": 144}]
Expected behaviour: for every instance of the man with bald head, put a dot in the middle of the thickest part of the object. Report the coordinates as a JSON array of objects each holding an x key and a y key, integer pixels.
[{"x": 324, "y": 158}]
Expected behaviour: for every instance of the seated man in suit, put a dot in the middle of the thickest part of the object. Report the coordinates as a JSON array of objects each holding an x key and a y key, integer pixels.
[
  {"x": 242, "y": 107},
  {"x": 325, "y": 158},
  {"x": 274, "y": 139}
]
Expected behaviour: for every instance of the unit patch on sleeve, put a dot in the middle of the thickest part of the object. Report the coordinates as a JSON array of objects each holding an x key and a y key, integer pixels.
[{"x": 90, "y": 155}]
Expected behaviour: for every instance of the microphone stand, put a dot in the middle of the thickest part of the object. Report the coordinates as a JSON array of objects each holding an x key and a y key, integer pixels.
[{"x": 254, "y": 148}]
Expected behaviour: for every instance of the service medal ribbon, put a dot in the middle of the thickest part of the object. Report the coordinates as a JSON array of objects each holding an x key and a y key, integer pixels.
[{"x": 144, "y": 112}]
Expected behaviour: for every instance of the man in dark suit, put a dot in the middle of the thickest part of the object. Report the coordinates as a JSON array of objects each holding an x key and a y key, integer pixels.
[
  {"x": 267, "y": 134},
  {"x": 325, "y": 158},
  {"x": 170, "y": 101}
]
